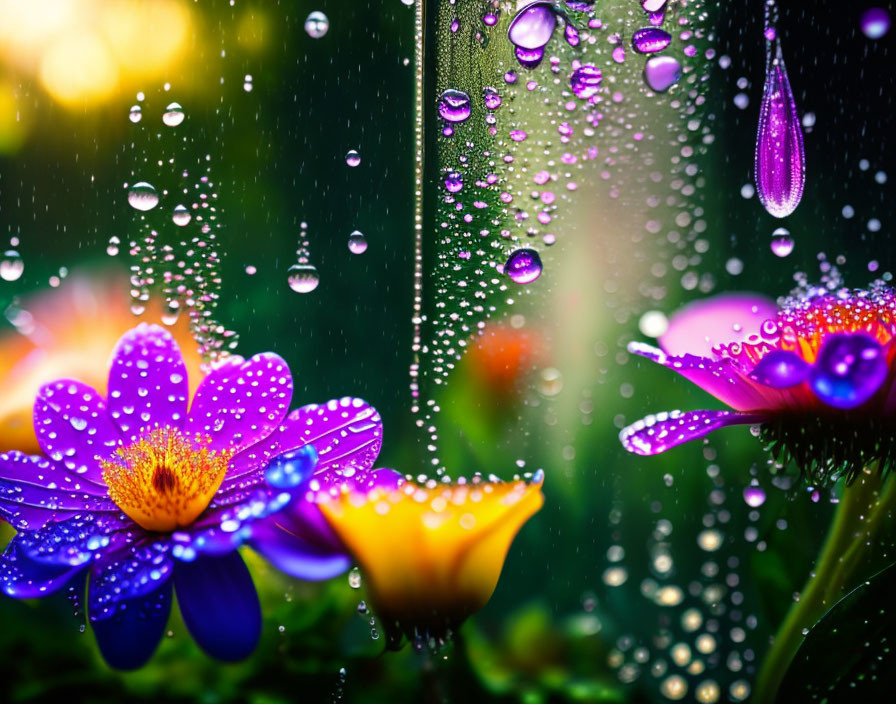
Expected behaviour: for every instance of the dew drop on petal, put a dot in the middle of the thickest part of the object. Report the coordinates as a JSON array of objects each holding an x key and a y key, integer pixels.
[{"x": 849, "y": 370}]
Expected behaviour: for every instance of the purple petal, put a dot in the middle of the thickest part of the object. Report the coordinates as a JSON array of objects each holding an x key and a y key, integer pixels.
[
  {"x": 35, "y": 491},
  {"x": 129, "y": 637},
  {"x": 135, "y": 571},
  {"x": 75, "y": 541},
  {"x": 219, "y": 605},
  {"x": 148, "y": 385},
  {"x": 655, "y": 434},
  {"x": 74, "y": 428},
  {"x": 732, "y": 317},
  {"x": 23, "y": 578},
  {"x": 241, "y": 402}
]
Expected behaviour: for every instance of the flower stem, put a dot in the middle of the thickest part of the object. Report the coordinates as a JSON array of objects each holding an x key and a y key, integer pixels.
[{"x": 862, "y": 510}]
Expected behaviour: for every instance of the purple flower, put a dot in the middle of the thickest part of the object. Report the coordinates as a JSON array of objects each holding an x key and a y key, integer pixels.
[
  {"x": 818, "y": 376},
  {"x": 143, "y": 496}
]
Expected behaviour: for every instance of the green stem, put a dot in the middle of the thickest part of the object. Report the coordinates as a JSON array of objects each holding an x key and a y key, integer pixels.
[{"x": 861, "y": 511}]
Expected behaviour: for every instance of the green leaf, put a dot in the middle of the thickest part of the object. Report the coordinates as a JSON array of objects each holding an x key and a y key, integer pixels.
[{"x": 848, "y": 654}]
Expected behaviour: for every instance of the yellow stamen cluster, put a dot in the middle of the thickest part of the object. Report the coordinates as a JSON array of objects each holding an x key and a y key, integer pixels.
[{"x": 164, "y": 480}]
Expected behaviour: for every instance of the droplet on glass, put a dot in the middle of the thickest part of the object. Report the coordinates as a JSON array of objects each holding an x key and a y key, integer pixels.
[
  {"x": 523, "y": 266},
  {"x": 316, "y": 25},
  {"x": 533, "y": 26},
  {"x": 454, "y": 105},
  {"x": 492, "y": 98},
  {"x": 180, "y": 216},
  {"x": 782, "y": 242},
  {"x": 875, "y": 22},
  {"x": 174, "y": 115},
  {"x": 780, "y": 165},
  {"x": 357, "y": 244},
  {"x": 302, "y": 278},
  {"x": 649, "y": 40},
  {"x": 849, "y": 370},
  {"x": 530, "y": 58},
  {"x": 11, "y": 266},
  {"x": 142, "y": 196},
  {"x": 661, "y": 72},
  {"x": 352, "y": 158},
  {"x": 585, "y": 81},
  {"x": 454, "y": 182},
  {"x": 135, "y": 114}
]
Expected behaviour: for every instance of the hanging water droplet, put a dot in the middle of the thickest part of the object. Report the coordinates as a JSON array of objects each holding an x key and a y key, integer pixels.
[
  {"x": 11, "y": 266},
  {"x": 302, "y": 278},
  {"x": 135, "y": 114},
  {"x": 523, "y": 266},
  {"x": 174, "y": 115},
  {"x": 357, "y": 244},
  {"x": 181, "y": 216},
  {"x": 354, "y": 578},
  {"x": 317, "y": 25},
  {"x": 661, "y": 72},
  {"x": 352, "y": 158},
  {"x": 780, "y": 166},
  {"x": 142, "y": 196},
  {"x": 782, "y": 243},
  {"x": 454, "y": 105}
]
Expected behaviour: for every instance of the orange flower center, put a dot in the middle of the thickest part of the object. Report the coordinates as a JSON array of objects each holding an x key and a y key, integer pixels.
[{"x": 164, "y": 480}]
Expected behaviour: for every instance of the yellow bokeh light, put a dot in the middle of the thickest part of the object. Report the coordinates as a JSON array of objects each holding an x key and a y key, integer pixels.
[
  {"x": 79, "y": 68},
  {"x": 145, "y": 37},
  {"x": 13, "y": 125}
]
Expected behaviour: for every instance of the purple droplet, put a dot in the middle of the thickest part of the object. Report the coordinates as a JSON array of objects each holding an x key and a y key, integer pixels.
[
  {"x": 649, "y": 40},
  {"x": 781, "y": 369},
  {"x": 656, "y": 19},
  {"x": 754, "y": 496},
  {"x": 492, "y": 98},
  {"x": 782, "y": 242},
  {"x": 585, "y": 81},
  {"x": 849, "y": 370},
  {"x": 455, "y": 25},
  {"x": 619, "y": 54},
  {"x": 523, "y": 266},
  {"x": 490, "y": 19},
  {"x": 875, "y": 22},
  {"x": 454, "y": 105},
  {"x": 518, "y": 135},
  {"x": 533, "y": 26},
  {"x": 661, "y": 72},
  {"x": 530, "y": 58},
  {"x": 580, "y": 5},
  {"x": 454, "y": 182},
  {"x": 571, "y": 34},
  {"x": 653, "y": 5},
  {"x": 780, "y": 159}
]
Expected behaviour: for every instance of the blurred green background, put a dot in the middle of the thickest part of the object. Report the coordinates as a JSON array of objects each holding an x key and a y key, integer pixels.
[{"x": 581, "y": 613}]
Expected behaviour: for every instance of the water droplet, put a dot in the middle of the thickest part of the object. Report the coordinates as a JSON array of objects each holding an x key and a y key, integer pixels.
[
  {"x": 172, "y": 313},
  {"x": 142, "y": 196},
  {"x": 492, "y": 98},
  {"x": 585, "y": 81},
  {"x": 875, "y": 22},
  {"x": 780, "y": 166},
  {"x": 11, "y": 266},
  {"x": 523, "y": 266},
  {"x": 181, "y": 216},
  {"x": 780, "y": 369},
  {"x": 290, "y": 469},
  {"x": 454, "y": 182},
  {"x": 754, "y": 495},
  {"x": 135, "y": 114},
  {"x": 317, "y": 25},
  {"x": 533, "y": 26},
  {"x": 352, "y": 158},
  {"x": 454, "y": 105},
  {"x": 357, "y": 244},
  {"x": 174, "y": 115},
  {"x": 782, "y": 243},
  {"x": 302, "y": 278},
  {"x": 354, "y": 578},
  {"x": 661, "y": 72},
  {"x": 849, "y": 370},
  {"x": 112, "y": 247},
  {"x": 649, "y": 40}
]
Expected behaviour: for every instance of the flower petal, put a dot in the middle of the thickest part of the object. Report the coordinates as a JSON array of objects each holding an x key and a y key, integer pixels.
[
  {"x": 74, "y": 428},
  {"x": 219, "y": 605},
  {"x": 24, "y": 578},
  {"x": 300, "y": 542},
  {"x": 655, "y": 434},
  {"x": 122, "y": 575},
  {"x": 148, "y": 385},
  {"x": 75, "y": 541},
  {"x": 35, "y": 491},
  {"x": 241, "y": 402},
  {"x": 128, "y": 638}
]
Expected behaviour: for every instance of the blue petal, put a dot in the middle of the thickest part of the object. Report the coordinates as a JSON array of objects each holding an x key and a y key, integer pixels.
[
  {"x": 24, "y": 578},
  {"x": 75, "y": 541},
  {"x": 130, "y": 637},
  {"x": 128, "y": 574},
  {"x": 219, "y": 605}
]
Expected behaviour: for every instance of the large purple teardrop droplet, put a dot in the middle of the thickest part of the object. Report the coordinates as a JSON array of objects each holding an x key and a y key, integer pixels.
[
  {"x": 533, "y": 26},
  {"x": 454, "y": 105},
  {"x": 523, "y": 266},
  {"x": 780, "y": 157},
  {"x": 649, "y": 40},
  {"x": 849, "y": 370}
]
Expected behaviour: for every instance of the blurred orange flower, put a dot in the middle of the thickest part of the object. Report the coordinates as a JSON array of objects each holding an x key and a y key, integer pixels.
[
  {"x": 502, "y": 355},
  {"x": 432, "y": 554},
  {"x": 68, "y": 332}
]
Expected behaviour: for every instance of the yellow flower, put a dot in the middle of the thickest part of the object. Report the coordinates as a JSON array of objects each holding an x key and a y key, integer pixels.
[
  {"x": 431, "y": 555},
  {"x": 66, "y": 333}
]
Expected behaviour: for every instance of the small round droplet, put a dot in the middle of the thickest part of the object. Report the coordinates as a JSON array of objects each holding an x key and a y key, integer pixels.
[
  {"x": 523, "y": 266},
  {"x": 317, "y": 25},
  {"x": 135, "y": 114},
  {"x": 357, "y": 244},
  {"x": 782, "y": 242},
  {"x": 454, "y": 105},
  {"x": 11, "y": 266},
  {"x": 174, "y": 115},
  {"x": 352, "y": 158},
  {"x": 849, "y": 370},
  {"x": 354, "y": 578},
  {"x": 302, "y": 278},
  {"x": 181, "y": 216},
  {"x": 112, "y": 247},
  {"x": 142, "y": 196},
  {"x": 662, "y": 72},
  {"x": 754, "y": 495}
]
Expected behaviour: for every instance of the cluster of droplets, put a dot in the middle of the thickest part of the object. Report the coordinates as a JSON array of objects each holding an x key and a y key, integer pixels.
[
  {"x": 175, "y": 252},
  {"x": 303, "y": 276}
]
